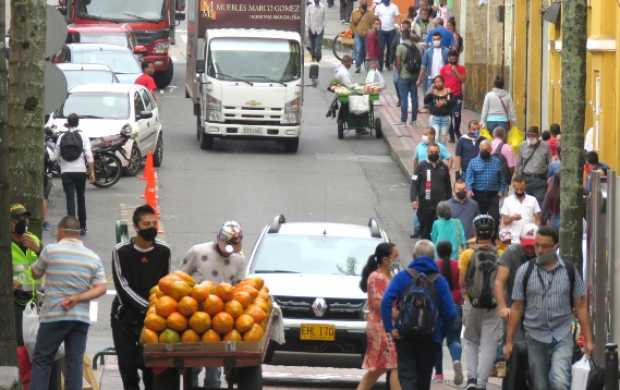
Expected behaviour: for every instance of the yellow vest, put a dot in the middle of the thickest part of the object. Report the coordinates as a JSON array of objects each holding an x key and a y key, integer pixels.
[{"x": 22, "y": 263}]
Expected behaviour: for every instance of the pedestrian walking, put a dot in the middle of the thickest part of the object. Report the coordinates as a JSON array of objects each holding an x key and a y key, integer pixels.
[
  {"x": 408, "y": 64},
  {"x": 509, "y": 262},
  {"x": 519, "y": 209},
  {"x": 446, "y": 35},
  {"x": 137, "y": 266},
  {"x": 449, "y": 268},
  {"x": 477, "y": 267},
  {"x": 426, "y": 312},
  {"x": 315, "y": 27},
  {"x": 486, "y": 181},
  {"x": 547, "y": 291},
  {"x": 146, "y": 78},
  {"x": 454, "y": 76},
  {"x": 501, "y": 147},
  {"x": 446, "y": 228},
  {"x": 433, "y": 59},
  {"x": 76, "y": 164},
  {"x": 464, "y": 208},
  {"x": 430, "y": 185},
  {"x": 380, "y": 354},
  {"x": 421, "y": 150},
  {"x": 440, "y": 103},
  {"x": 362, "y": 20},
  {"x": 551, "y": 203},
  {"x": 74, "y": 276},
  {"x": 372, "y": 42},
  {"x": 346, "y": 8},
  {"x": 467, "y": 148},
  {"x": 388, "y": 13},
  {"x": 593, "y": 164},
  {"x": 533, "y": 163},
  {"x": 554, "y": 141},
  {"x": 498, "y": 109},
  {"x": 457, "y": 39},
  {"x": 421, "y": 26},
  {"x": 218, "y": 261}
]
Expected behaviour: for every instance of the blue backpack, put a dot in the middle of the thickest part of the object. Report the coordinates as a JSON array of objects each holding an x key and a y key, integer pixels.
[{"x": 418, "y": 312}]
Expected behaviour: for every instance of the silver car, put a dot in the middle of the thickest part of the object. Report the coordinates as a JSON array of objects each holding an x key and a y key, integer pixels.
[{"x": 313, "y": 272}]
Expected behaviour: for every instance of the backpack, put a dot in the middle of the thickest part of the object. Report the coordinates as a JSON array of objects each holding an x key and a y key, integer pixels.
[
  {"x": 418, "y": 313},
  {"x": 71, "y": 145},
  {"x": 480, "y": 278},
  {"x": 570, "y": 269},
  {"x": 505, "y": 170},
  {"x": 413, "y": 59}
]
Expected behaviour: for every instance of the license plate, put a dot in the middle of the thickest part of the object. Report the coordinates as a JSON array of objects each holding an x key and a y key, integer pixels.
[
  {"x": 317, "y": 332},
  {"x": 252, "y": 130}
]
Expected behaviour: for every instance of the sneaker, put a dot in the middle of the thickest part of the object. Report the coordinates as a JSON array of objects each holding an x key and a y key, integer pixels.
[
  {"x": 458, "y": 373},
  {"x": 471, "y": 384},
  {"x": 438, "y": 378},
  {"x": 83, "y": 231}
]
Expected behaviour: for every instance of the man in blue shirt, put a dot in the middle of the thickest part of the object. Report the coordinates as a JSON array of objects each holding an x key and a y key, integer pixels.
[
  {"x": 447, "y": 39},
  {"x": 421, "y": 150},
  {"x": 467, "y": 148},
  {"x": 433, "y": 59}
]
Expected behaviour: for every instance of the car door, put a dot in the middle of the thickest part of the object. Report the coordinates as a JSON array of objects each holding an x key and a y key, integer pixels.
[
  {"x": 141, "y": 124},
  {"x": 151, "y": 106}
]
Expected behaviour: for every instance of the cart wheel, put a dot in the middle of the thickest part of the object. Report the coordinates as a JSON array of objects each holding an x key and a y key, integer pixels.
[
  {"x": 250, "y": 378},
  {"x": 378, "y": 131},
  {"x": 340, "y": 129}
]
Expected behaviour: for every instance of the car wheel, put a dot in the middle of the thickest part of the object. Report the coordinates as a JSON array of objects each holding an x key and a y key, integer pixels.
[
  {"x": 135, "y": 162},
  {"x": 206, "y": 141},
  {"x": 158, "y": 155},
  {"x": 163, "y": 79}
]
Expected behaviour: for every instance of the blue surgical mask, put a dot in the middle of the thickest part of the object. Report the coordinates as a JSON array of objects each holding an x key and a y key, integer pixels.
[{"x": 386, "y": 2}]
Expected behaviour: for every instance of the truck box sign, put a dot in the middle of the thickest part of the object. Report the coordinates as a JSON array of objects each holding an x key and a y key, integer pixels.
[{"x": 268, "y": 14}]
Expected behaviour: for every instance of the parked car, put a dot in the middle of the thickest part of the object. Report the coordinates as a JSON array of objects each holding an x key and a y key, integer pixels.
[
  {"x": 79, "y": 74},
  {"x": 113, "y": 34},
  {"x": 313, "y": 271},
  {"x": 120, "y": 59},
  {"x": 109, "y": 109}
]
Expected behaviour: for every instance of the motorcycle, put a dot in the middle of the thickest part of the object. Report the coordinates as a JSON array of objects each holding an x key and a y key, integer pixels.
[{"x": 108, "y": 167}]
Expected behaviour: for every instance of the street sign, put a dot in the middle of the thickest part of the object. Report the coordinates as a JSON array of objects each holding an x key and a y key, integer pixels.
[
  {"x": 55, "y": 88},
  {"x": 56, "y": 33}
]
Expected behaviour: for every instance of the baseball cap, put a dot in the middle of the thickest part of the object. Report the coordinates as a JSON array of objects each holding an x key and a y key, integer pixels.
[
  {"x": 18, "y": 210},
  {"x": 528, "y": 234}
]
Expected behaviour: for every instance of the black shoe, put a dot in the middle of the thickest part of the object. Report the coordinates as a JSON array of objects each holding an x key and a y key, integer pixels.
[
  {"x": 83, "y": 231},
  {"x": 357, "y": 70}
]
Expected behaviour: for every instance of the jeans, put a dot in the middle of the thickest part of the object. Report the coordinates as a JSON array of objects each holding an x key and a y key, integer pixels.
[
  {"x": 491, "y": 125},
  {"x": 49, "y": 338},
  {"x": 441, "y": 124},
  {"x": 346, "y": 9},
  {"x": 426, "y": 216},
  {"x": 550, "y": 364},
  {"x": 74, "y": 183},
  {"x": 360, "y": 50},
  {"x": 316, "y": 43},
  {"x": 482, "y": 333},
  {"x": 407, "y": 87},
  {"x": 386, "y": 47},
  {"x": 453, "y": 339},
  {"x": 414, "y": 366},
  {"x": 455, "y": 125}
]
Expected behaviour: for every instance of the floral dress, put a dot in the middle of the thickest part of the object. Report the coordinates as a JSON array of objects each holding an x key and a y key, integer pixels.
[{"x": 380, "y": 352}]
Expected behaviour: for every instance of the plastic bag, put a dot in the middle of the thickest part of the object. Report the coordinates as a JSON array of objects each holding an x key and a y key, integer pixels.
[
  {"x": 359, "y": 104},
  {"x": 30, "y": 329},
  {"x": 580, "y": 372},
  {"x": 486, "y": 134},
  {"x": 515, "y": 138}
]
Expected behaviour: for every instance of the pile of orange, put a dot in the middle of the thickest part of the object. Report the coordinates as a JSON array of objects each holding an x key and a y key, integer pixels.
[{"x": 181, "y": 311}]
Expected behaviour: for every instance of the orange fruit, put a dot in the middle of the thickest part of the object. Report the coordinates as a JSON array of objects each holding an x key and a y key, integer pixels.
[
  {"x": 166, "y": 306},
  {"x": 200, "y": 322},
  {"x": 260, "y": 302},
  {"x": 234, "y": 308},
  {"x": 189, "y": 336},
  {"x": 164, "y": 285},
  {"x": 259, "y": 283},
  {"x": 243, "y": 297},
  {"x": 155, "y": 290},
  {"x": 176, "y": 321},
  {"x": 201, "y": 291},
  {"x": 251, "y": 282},
  {"x": 185, "y": 277},
  {"x": 147, "y": 336},
  {"x": 169, "y": 336},
  {"x": 153, "y": 299},
  {"x": 233, "y": 335},
  {"x": 224, "y": 291},
  {"x": 222, "y": 323},
  {"x": 187, "y": 306},
  {"x": 254, "y": 334},
  {"x": 264, "y": 295},
  {"x": 211, "y": 336},
  {"x": 155, "y": 322},
  {"x": 257, "y": 313},
  {"x": 249, "y": 289},
  {"x": 213, "y": 305},
  {"x": 179, "y": 289},
  {"x": 265, "y": 289},
  {"x": 244, "y": 323},
  {"x": 151, "y": 310}
]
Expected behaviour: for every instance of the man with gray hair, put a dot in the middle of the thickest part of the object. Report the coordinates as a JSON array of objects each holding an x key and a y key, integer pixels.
[{"x": 423, "y": 280}]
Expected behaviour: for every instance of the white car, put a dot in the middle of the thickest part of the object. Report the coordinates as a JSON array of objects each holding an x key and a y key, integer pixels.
[
  {"x": 107, "y": 109},
  {"x": 79, "y": 74}
]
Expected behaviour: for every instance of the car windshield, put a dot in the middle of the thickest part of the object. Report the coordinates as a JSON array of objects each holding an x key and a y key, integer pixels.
[
  {"x": 96, "y": 106},
  {"x": 281, "y": 253},
  {"x": 79, "y": 77},
  {"x": 271, "y": 60},
  {"x": 118, "y": 39},
  {"x": 121, "y": 10},
  {"x": 117, "y": 60}
]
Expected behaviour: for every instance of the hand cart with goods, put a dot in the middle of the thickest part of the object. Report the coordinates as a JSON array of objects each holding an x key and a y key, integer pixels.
[{"x": 356, "y": 110}]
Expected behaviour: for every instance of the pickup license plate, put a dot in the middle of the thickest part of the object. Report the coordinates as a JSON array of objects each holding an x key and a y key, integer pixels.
[
  {"x": 317, "y": 332},
  {"x": 252, "y": 131}
]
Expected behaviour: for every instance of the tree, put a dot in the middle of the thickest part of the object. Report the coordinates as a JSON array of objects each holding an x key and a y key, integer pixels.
[{"x": 574, "y": 37}]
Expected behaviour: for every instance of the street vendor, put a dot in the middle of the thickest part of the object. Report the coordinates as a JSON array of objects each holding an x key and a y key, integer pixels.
[{"x": 343, "y": 75}]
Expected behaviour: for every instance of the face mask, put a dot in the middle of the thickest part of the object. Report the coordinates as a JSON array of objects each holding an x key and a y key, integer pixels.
[
  {"x": 461, "y": 195},
  {"x": 546, "y": 258},
  {"x": 386, "y": 2},
  {"x": 474, "y": 134},
  {"x": 436, "y": 43},
  {"x": 21, "y": 227},
  {"x": 425, "y": 139},
  {"x": 433, "y": 157},
  {"x": 532, "y": 141},
  {"x": 485, "y": 154},
  {"x": 452, "y": 61},
  {"x": 148, "y": 234}
]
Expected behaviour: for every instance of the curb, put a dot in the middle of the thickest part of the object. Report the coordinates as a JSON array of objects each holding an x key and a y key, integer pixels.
[{"x": 401, "y": 152}]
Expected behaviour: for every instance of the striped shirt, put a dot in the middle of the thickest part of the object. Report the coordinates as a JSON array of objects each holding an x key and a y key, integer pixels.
[
  {"x": 485, "y": 175},
  {"x": 70, "y": 268},
  {"x": 548, "y": 315}
]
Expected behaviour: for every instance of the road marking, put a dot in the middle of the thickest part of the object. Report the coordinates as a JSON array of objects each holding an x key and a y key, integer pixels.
[{"x": 354, "y": 157}]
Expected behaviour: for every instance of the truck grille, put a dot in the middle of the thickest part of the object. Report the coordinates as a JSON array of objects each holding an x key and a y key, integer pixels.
[
  {"x": 337, "y": 308},
  {"x": 262, "y": 115},
  {"x": 147, "y": 37}
]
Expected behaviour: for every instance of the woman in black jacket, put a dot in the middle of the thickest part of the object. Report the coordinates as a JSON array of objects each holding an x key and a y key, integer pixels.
[{"x": 440, "y": 102}]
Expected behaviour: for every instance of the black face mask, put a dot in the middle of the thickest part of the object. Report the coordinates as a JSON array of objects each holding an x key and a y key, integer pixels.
[
  {"x": 21, "y": 227},
  {"x": 433, "y": 157},
  {"x": 461, "y": 195},
  {"x": 485, "y": 155},
  {"x": 148, "y": 234}
]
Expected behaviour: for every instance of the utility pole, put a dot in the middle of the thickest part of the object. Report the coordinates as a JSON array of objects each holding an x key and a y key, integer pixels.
[{"x": 574, "y": 37}]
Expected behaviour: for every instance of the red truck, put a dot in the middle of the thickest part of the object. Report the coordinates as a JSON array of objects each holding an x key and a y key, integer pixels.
[{"x": 152, "y": 21}]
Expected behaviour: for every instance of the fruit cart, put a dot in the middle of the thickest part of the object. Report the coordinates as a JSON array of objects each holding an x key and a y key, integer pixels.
[{"x": 363, "y": 118}]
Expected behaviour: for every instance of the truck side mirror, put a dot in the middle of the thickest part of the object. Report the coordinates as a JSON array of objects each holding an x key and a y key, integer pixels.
[
  {"x": 179, "y": 16},
  {"x": 200, "y": 66}
]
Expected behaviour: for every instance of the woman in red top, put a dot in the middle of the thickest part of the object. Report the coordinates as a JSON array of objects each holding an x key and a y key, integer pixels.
[
  {"x": 372, "y": 41},
  {"x": 380, "y": 351},
  {"x": 450, "y": 270}
]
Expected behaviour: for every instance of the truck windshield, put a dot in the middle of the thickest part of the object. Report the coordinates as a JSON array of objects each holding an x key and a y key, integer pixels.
[
  {"x": 121, "y": 10},
  {"x": 271, "y": 60},
  {"x": 119, "y": 61}
]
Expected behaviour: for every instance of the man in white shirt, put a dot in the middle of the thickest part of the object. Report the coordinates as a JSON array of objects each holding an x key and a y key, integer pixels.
[
  {"x": 519, "y": 209},
  {"x": 315, "y": 25},
  {"x": 388, "y": 13},
  {"x": 342, "y": 71},
  {"x": 76, "y": 163}
]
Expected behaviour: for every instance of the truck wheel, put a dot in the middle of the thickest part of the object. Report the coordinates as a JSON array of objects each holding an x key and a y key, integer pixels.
[
  {"x": 250, "y": 378},
  {"x": 206, "y": 141},
  {"x": 291, "y": 145},
  {"x": 163, "y": 79}
]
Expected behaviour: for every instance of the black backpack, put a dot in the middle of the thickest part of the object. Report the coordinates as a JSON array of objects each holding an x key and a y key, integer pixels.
[
  {"x": 71, "y": 145},
  {"x": 418, "y": 311},
  {"x": 506, "y": 171},
  {"x": 413, "y": 59},
  {"x": 480, "y": 277}
]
